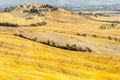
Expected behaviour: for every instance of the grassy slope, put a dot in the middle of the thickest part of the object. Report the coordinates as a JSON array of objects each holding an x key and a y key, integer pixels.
[
  {"x": 73, "y": 24},
  {"x": 24, "y": 59},
  {"x": 6, "y": 17}
]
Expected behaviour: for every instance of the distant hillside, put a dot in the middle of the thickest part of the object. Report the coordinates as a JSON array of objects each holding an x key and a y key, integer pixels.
[
  {"x": 2, "y": 7},
  {"x": 115, "y": 7}
]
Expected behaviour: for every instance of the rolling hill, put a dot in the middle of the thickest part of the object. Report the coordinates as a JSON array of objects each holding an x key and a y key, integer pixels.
[{"x": 68, "y": 47}]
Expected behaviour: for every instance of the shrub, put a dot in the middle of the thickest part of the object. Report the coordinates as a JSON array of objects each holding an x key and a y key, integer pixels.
[
  {"x": 41, "y": 23},
  {"x": 72, "y": 47},
  {"x": 21, "y": 35},
  {"x": 48, "y": 42},
  {"x": 35, "y": 39},
  {"x": 53, "y": 44},
  {"x": 33, "y": 24},
  {"x": 78, "y": 34}
]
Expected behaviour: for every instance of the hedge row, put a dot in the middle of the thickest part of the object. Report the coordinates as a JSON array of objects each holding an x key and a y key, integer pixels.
[{"x": 8, "y": 24}]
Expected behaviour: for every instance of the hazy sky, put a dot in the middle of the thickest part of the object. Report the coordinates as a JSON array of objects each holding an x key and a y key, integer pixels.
[{"x": 61, "y": 2}]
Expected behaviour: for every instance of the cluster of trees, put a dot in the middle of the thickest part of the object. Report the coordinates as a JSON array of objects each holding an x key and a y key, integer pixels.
[
  {"x": 31, "y": 11},
  {"x": 34, "y": 10},
  {"x": 94, "y": 14},
  {"x": 107, "y": 26},
  {"x": 39, "y": 24},
  {"x": 8, "y": 24}
]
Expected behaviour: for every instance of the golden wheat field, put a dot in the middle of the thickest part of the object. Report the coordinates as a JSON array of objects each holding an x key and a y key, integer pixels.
[{"x": 24, "y": 57}]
